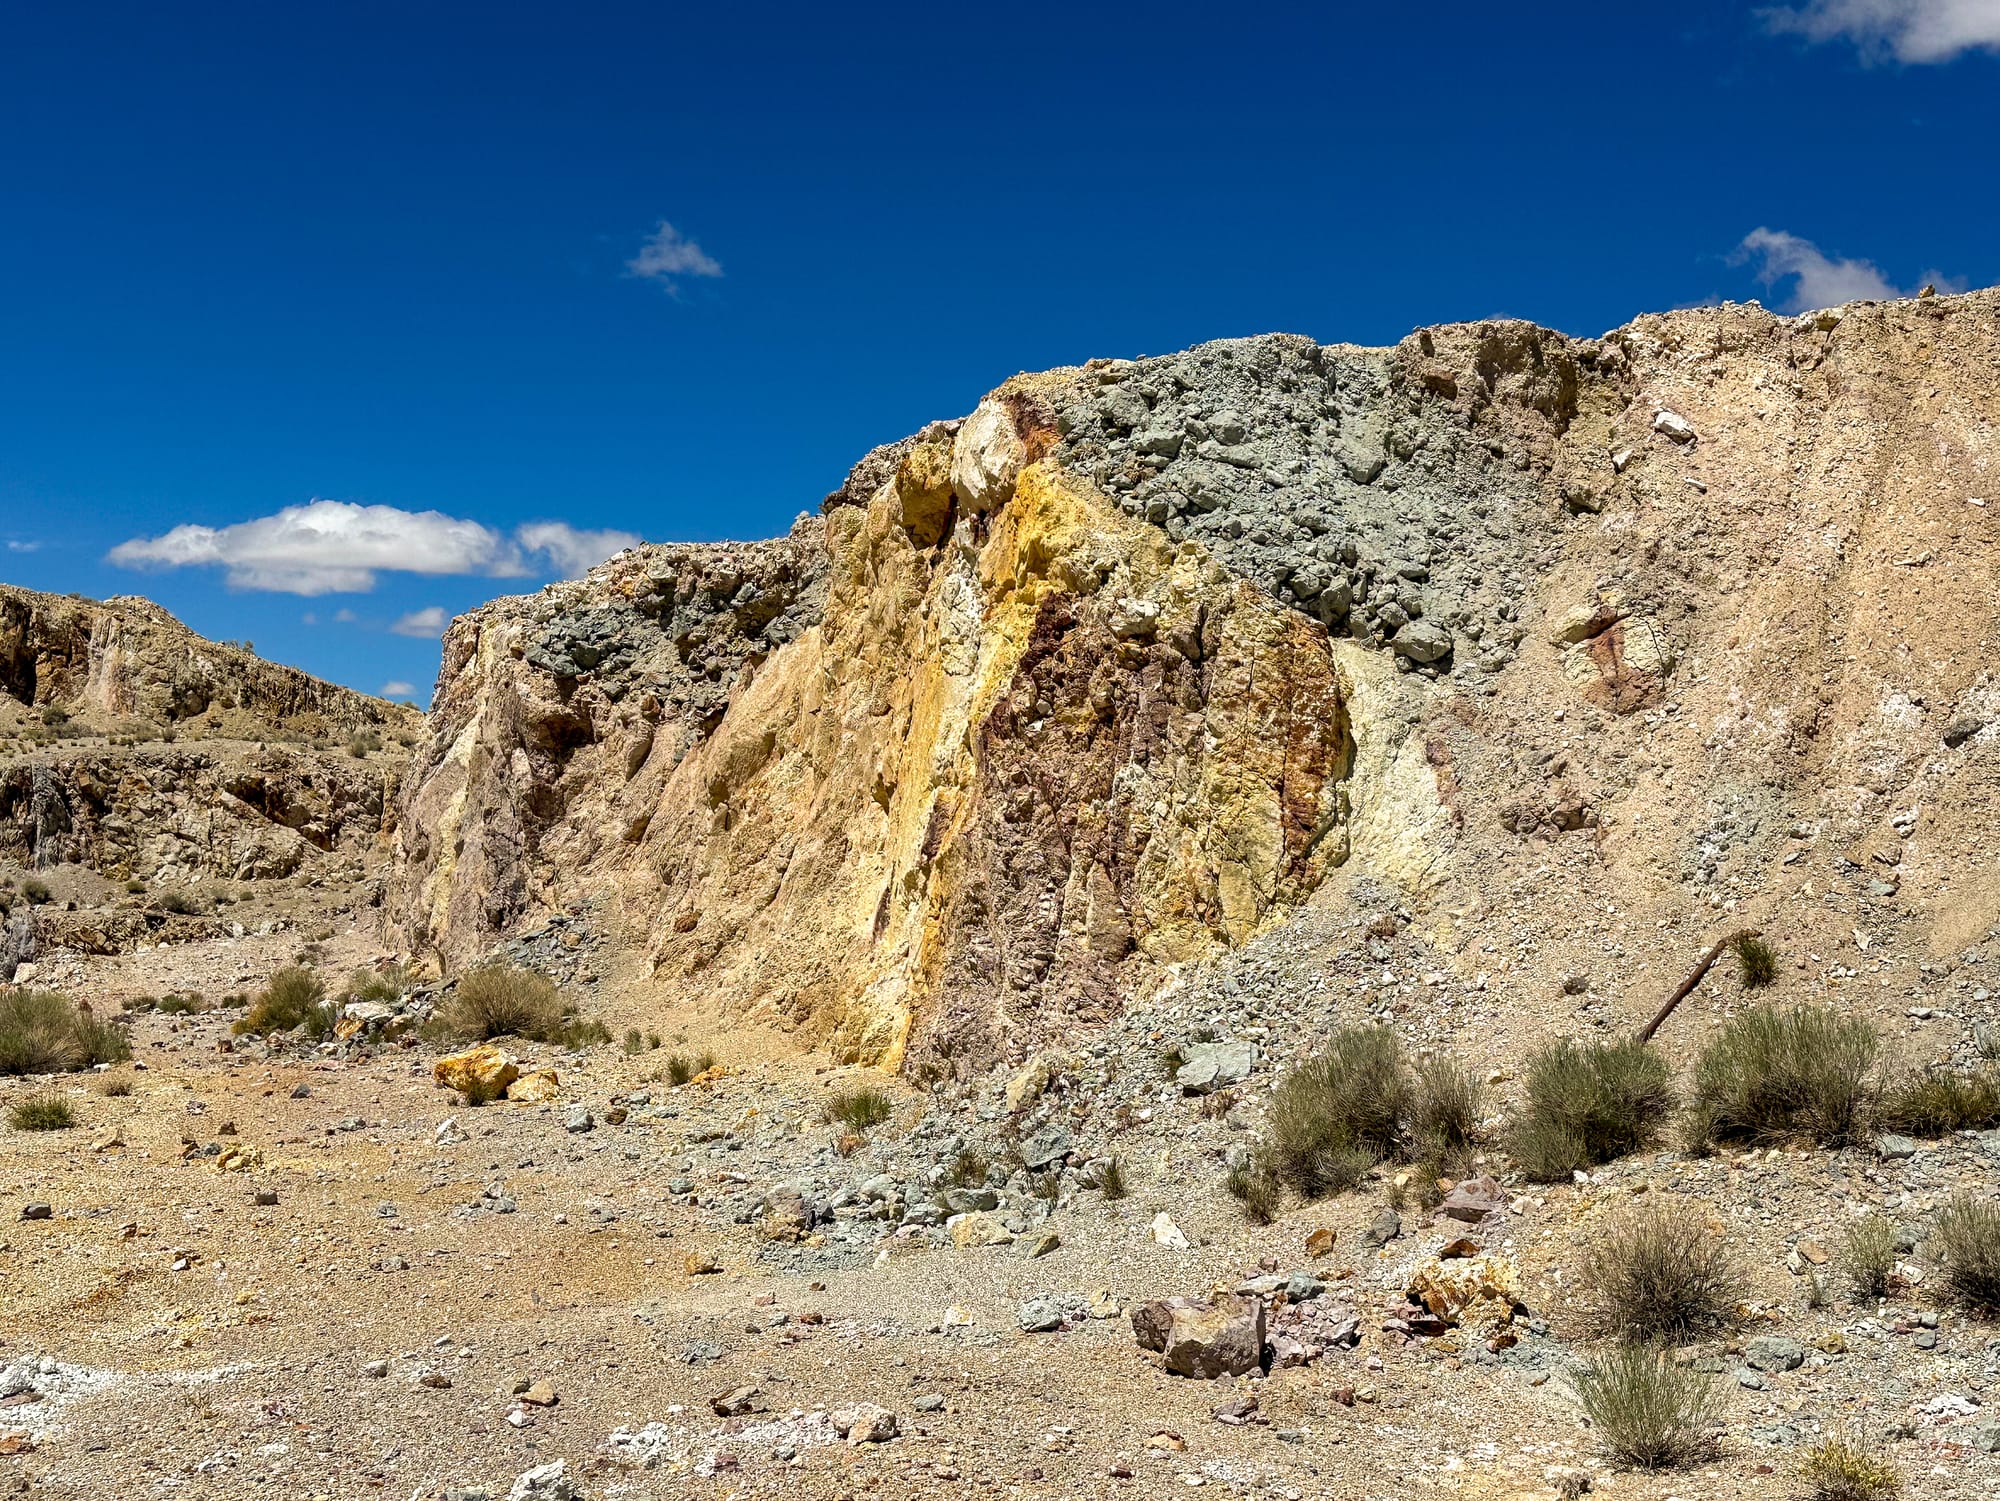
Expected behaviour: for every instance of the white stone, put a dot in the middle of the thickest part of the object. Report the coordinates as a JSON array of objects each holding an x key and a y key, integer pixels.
[{"x": 986, "y": 458}]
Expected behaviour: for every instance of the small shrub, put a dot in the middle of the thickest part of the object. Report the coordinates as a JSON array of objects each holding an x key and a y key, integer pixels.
[
  {"x": 967, "y": 1168},
  {"x": 1838, "y": 1469},
  {"x": 1756, "y": 960},
  {"x": 1866, "y": 1255},
  {"x": 1657, "y": 1273},
  {"x": 381, "y": 986},
  {"x": 180, "y": 903},
  {"x": 114, "y": 1086},
  {"x": 1259, "y": 1190},
  {"x": 633, "y": 1042},
  {"x": 652, "y": 1042},
  {"x": 42, "y": 1032},
  {"x": 292, "y": 998},
  {"x": 1940, "y": 1102},
  {"x": 363, "y": 744},
  {"x": 1773, "y": 1074},
  {"x": 680, "y": 1069},
  {"x": 1650, "y": 1412},
  {"x": 499, "y": 1000},
  {"x": 1966, "y": 1244},
  {"x": 46, "y": 1111},
  {"x": 1444, "y": 1114},
  {"x": 577, "y": 1033},
  {"x": 1111, "y": 1178},
  {"x": 1333, "y": 1117},
  {"x": 1589, "y": 1103},
  {"x": 135, "y": 888},
  {"x": 176, "y": 1003},
  {"x": 36, "y": 891},
  {"x": 857, "y": 1108}
]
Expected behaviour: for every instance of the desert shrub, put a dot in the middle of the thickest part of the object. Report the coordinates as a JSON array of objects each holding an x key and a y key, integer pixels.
[
  {"x": 1649, "y": 1411},
  {"x": 967, "y": 1168},
  {"x": 383, "y": 985},
  {"x": 1656, "y": 1272},
  {"x": 135, "y": 888},
  {"x": 1336, "y": 1115},
  {"x": 1866, "y": 1255},
  {"x": 42, "y": 1032},
  {"x": 1258, "y": 1189},
  {"x": 55, "y": 716},
  {"x": 1777, "y": 1073},
  {"x": 578, "y": 1032},
  {"x": 634, "y": 1042},
  {"x": 114, "y": 1086},
  {"x": 1966, "y": 1244},
  {"x": 680, "y": 1068},
  {"x": 1111, "y": 1178},
  {"x": 176, "y": 1004},
  {"x": 857, "y": 1108},
  {"x": 180, "y": 903},
  {"x": 292, "y": 998},
  {"x": 46, "y": 1111},
  {"x": 1444, "y": 1113},
  {"x": 1839, "y": 1469},
  {"x": 36, "y": 891},
  {"x": 1589, "y": 1103},
  {"x": 1756, "y": 960},
  {"x": 1940, "y": 1102},
  {"x": 363, "y": 743},
  {"x": 499, "y": 1000}
]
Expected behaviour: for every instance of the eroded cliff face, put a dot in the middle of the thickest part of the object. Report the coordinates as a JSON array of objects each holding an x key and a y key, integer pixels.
[
  {"x": 1136, "y": 658},
  {"x": 136, "y": 749}
]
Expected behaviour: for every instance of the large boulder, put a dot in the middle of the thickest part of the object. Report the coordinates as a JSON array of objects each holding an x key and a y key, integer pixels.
[
  {"x": 484, "y": 1071},
  {"x": 1203, "y": 1340},
  {"x": 986, "y": 459}
]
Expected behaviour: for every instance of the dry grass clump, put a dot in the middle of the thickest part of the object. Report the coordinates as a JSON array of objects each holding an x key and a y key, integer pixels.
[
  {"x": 1339, "y": 1113},
  {"x": 857, "y": 1108},
  {"x": 1257, "y": 1188},
  {"x": 1111, "y": 1178},
  {"x": 45, "y": 1111},
  {"x": 1866, "y": 1255},
  {"x": 1966, "y": 1244},
  {"x": 682, "y": 1067},
  {"x": 1940, "y": 1102},
  {"x": 43, "y": 1032},
  {"x": 1657, "y": 1273},
  {"x": 1839, "y": 1469},
  {"x": 1780, "y": 1073},
  {"x": 1650, "y": 1412},
  {"x": 502, "y": 1000},
  {"x": 292, "y": 999},
  {"x": 1589, "y": 1103},
  {"x": 1756, "y": 960}
]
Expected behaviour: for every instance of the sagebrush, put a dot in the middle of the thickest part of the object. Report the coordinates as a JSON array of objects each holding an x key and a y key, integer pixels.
[
  {"x": 44, "y": 1032},
  {"x": 1589, "y": 1103},
  {"x": 1783, "y": 1073}
]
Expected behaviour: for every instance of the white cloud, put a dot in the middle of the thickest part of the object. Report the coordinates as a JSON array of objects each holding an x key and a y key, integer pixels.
[
  {"x": 1911, "y": 31},
  {"x": 428, "y": 623},
  {"x": 670, "y": 254},
  {"x": 399, "y": 689},
  {"x": 572, "y": 551},
  {"x": 13, "y": 546},
  {"x": 1818, "y": 280},
  {"x": 338, "y": 547},
  {"x": 345, "y": 617}
]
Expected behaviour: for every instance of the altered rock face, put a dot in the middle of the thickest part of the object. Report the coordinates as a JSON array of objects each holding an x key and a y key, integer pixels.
[{"x": 1133, "y": 659}]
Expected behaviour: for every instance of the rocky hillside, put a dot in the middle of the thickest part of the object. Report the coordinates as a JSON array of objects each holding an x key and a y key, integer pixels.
[
  {"x": 135, "y": 753},
  {"x": 1550, "y": 650}
]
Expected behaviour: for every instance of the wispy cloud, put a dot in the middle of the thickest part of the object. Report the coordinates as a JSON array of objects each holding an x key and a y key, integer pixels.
[
  {"x": 669, "y": 255},
  {"x": 1910, "y": 31},
  {"x": 397, "y": 688},
  {"x": 13, "y": 546},
  {"x": 338, "y": 547},
  {"x": 428, "y": 622},
  {"x": 1818, "y": 280}
]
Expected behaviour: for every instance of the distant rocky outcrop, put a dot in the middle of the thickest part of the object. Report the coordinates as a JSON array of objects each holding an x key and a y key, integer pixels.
[{"x": 1137, "y": 657}]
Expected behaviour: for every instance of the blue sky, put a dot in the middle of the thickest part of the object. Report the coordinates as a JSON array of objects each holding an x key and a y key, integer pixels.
[{"x": 409, "y": 259}]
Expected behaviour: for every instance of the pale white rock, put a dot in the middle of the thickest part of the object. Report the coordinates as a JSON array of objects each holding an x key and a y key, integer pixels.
[
  {"x": 1673, "y": 425},
  {"x": 986, "y": 458},
  {"x": 1167, "y": 1233}
]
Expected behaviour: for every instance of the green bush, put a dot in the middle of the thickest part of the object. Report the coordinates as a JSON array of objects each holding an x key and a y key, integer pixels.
[
  {"x": 1589, "y": 1103},
  {"x": 857, "y": 1108},
  {"x": 1444, "y": 1114},
  {"x": 1657, "y": 1272},
  {"x": 46, "y": 1111},
  {"x": 179, "y": 902},
  {"x": 42, "y": 1032},
  {"x": 1650, "y": 1412},
  {"x": 1940, "y": 1102},
  {"x": 1336, "y": 1115},
  {"x": 1111, "y": 1178},
  {"x": 1866, "y": 1255},
  {"x": 36, "y": 891},
  {"x": 1966, "y": 1245},
  {"x": 1258, "y": 1189},
  {"x": 292, "y": 998},
  {"x": 1783, "y": 1073}
]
